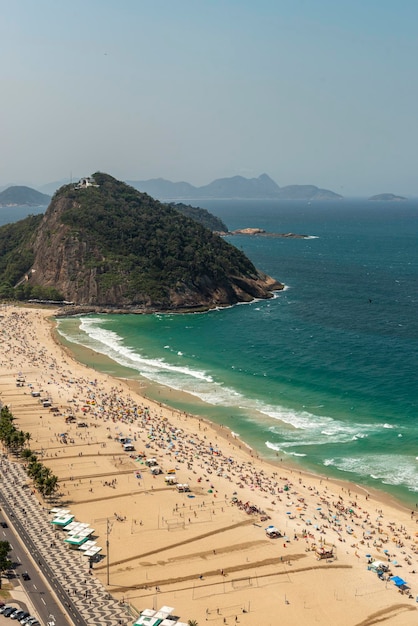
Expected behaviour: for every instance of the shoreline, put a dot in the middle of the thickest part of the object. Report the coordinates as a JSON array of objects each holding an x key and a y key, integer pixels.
[
  {"x": 141, "y": 385},
  {"x": 202, "y": 552}
]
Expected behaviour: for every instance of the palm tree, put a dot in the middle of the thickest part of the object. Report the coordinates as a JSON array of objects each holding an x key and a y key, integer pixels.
[
  {"x": 27, "y": 455},
  {"x": 50, "y": 485},
  {"x": 5, "y": 562},
  {"x": 42, "y": 478},
  {"x": 192, "y": 622}
]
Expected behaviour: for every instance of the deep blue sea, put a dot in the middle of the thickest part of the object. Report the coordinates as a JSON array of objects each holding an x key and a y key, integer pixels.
[{"x": 324, "y": 374}]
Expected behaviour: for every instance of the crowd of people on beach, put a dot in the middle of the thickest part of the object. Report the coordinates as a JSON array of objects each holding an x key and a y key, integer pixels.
[{"x": 318, "y": 514}]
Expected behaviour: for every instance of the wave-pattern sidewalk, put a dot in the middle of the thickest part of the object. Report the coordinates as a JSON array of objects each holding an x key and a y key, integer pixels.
[{"x": 83, "y": 595}]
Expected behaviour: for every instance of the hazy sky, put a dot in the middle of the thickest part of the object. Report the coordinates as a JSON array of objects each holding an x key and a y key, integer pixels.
[{"x": 309, "y": 91}]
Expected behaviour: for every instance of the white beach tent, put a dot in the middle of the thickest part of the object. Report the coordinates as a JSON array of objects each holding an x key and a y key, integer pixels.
[
  {"x": 145, "y": 620},
  {"x": 72, "y": 526},
  {"x": 58, "y": 511},
  {"x": 164, "y": 612},
  {"x": 88, "y": 545},
  {"x": 149, "y": 617},
  {"x": 93, "y": 551},
  {"x": 85, "y": 532}
]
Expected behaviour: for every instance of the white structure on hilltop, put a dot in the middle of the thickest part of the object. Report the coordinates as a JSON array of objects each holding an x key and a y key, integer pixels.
[{"x": 88, "y": 181}]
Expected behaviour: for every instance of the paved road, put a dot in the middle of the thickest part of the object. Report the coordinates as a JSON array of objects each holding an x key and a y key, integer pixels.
[
  {"x": 37, "y": 591},
  {"x": 84, "y": 598}
]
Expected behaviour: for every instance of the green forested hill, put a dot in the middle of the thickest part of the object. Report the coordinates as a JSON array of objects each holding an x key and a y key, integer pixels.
[
  {"x": 200, "y": 215},
  {"x": 21, "y": 195},
  {"x": 112, "y": 246}
]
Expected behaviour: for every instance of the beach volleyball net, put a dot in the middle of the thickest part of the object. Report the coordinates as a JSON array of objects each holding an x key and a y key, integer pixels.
[
  {"x": 243, "y": 583},
  {"x": 175, "y": 524}
]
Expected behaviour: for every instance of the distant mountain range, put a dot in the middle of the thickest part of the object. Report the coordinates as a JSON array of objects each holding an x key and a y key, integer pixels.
[
  {"x": 234, "y": 187},
  {"x": 23, "y": 196},
  {"x": 262, "y": 187},
  {"x": 387, "y": 197}
]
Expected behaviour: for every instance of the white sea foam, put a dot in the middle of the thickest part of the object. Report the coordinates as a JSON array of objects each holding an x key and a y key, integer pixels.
[
  {"x": 293, "y": 428},
  {"x": 282, "y": 449},
  {"x": 109, "y": 343},
  {"x": 272, "y": 446},
  {"x": 390, "y": 469}
]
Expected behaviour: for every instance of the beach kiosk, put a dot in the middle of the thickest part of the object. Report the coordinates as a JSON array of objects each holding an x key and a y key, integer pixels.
[
  {"x": 76, "y": 540},
  {"x": 62, "y": 520},
  {"x": 162, "y": 617}
]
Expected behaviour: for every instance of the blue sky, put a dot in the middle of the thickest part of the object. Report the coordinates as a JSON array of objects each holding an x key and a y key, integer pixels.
[{"x": 317, "y": 92}]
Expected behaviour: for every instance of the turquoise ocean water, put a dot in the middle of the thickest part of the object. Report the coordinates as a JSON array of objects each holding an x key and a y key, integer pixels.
[{"x": 325, "y": 374}]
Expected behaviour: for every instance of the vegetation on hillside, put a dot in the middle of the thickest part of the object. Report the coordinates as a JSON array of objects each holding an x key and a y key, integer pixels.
[
  {"x": 147, "y": 245},
  {"x": 202, "y": 216},
  {"x": 16, "y": 258},
  {"x": 110, "y": 245}
]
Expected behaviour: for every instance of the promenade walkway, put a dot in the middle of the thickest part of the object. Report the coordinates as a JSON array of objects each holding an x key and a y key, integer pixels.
[{"x": 85, "y": 599}]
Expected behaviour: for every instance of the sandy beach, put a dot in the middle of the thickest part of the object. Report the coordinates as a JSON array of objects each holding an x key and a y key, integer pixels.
[{"x": 204, "y": 552}]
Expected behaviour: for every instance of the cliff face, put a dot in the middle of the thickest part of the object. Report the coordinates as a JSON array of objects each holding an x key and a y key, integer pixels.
[
  {"x": 60, "y": 257},
  {"x": 111, "y": 246}
]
